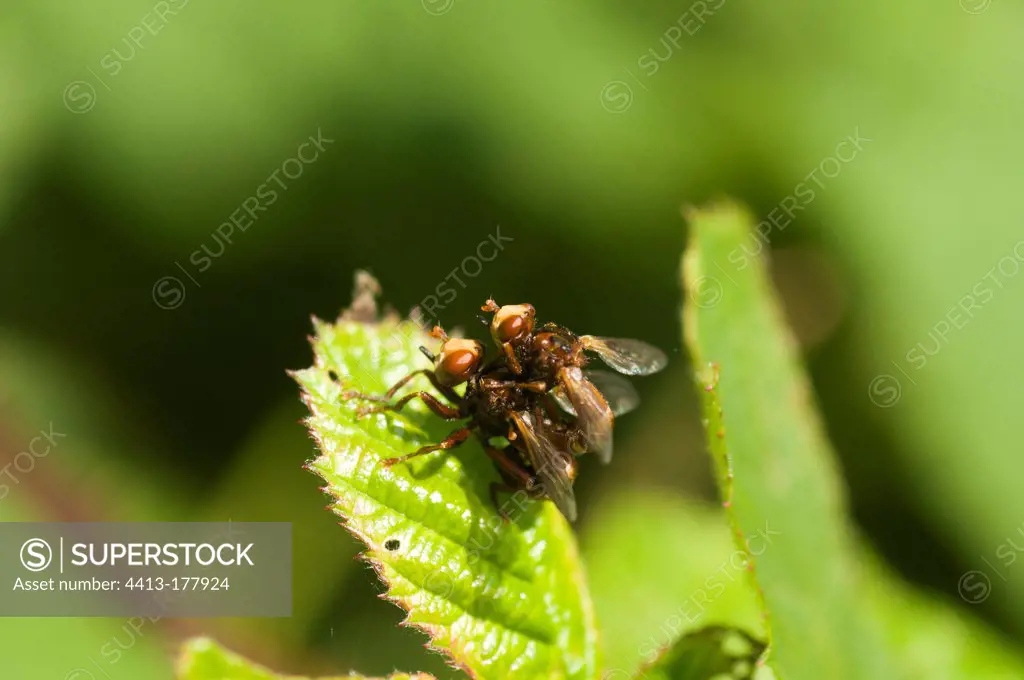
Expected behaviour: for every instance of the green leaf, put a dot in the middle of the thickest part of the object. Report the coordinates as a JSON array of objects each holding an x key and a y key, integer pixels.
[
  {"x": 828, "y": 601},
  {"x": 661, "y": 566},
  {"x": 715, "y": 653},
  {"x": 500, "y": 599},
  {"x": 203, "y": 659},
  {"x": 776, "y": 472}
]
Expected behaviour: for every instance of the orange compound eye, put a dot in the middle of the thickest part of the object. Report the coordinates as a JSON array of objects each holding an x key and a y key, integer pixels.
[
  {"x": 513, "y": 322},
  {"x": 460, "y": 364},
  {"x": 458, "y": 361},
  {"x": 510, "y": 328}
]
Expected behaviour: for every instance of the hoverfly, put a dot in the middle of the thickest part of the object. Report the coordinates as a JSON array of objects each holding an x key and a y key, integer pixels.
[
  {"x": 539, "y": 456},
  {"x": 552, "y": 360},
  {"x": 516, "y": 396}
]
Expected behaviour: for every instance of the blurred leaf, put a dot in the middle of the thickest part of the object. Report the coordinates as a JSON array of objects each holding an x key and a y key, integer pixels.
[
  {"x": 715, "y": 652},
  {"x": 203, "y": 659},
  {"x": 775, "y": 468},
  {"x": 97, "y": 461},
  {"x": 88, "y": 474},
  {"x": 679, "y": 573},
  {"x": 272, "y": 459},
  {"x": 670, "y": 586},
  {"x": 501, "y": 599},
  {"x": 937, "y": 641},
  {"x": 940, "y": 322},
  {"x": 78, "y": 648},
  {"x": 820, "y": 592},
  {"x": 21, "y": 116}
]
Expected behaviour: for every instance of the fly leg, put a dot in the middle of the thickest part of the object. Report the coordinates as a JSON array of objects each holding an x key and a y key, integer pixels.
[
  {"x": 448, "y": 392},
  {"x": 450, "y": 442},
  {"x": 433, "y": 403},
  {"x": 513, "y": 362},
  {"x": 538, "y": 386},
  {"x": 517, "y": 478},
  {"x": 510, "y": 467}
]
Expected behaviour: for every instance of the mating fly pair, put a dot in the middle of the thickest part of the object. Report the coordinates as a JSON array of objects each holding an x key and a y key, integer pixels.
[{"x": 533, "y": 406}]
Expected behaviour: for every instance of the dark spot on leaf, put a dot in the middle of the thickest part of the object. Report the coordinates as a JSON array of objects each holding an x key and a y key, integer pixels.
[
  {"x": 332, "y": 375},
  {"x": 392, "y": 544}
]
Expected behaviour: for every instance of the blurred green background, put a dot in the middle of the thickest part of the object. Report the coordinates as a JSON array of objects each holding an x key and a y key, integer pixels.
[{"x": 131, "y": 131}]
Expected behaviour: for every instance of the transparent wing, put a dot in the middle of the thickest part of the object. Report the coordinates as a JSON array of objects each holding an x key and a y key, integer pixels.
[
  {"x": 616, "y": 390},
  {"x": 553, "y": 467},
  {"x": 563, "y": 400},
  {"x": 625, "y": 355},
  {"x": 593, "y": 414}
]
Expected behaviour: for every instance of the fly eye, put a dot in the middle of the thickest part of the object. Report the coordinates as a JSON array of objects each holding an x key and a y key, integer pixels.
[
  {"x": 510, "y": 328},
  {"x": 459, "y": 359},
  {"x": 512, "y": 322},
  {"x": 459, "y": 364}
]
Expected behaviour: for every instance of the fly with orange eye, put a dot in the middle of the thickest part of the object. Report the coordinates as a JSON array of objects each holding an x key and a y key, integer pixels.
[
  {"x": 487, "y": 400},
  {"x": 511, "y": 327},
  {"x": 551, "y": 361},
  {"x": 457, "y": 361},
  {"x": 535, "y": 397},
  {"x": 540, "y": 444}
]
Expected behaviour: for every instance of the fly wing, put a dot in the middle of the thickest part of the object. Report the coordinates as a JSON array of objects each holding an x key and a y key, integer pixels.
[
  {"x": 616, "y": 390},
  {"x": 553, "y": 467},
  {"x": 626, "y": 355},
  {"x": 563, "y": 400},
  {"x": 593, "y": 414}
]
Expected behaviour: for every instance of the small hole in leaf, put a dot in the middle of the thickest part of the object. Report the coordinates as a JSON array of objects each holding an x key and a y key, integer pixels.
[
  {"x": 392, "y": 544},
  {"x": 333, "y": 375}
]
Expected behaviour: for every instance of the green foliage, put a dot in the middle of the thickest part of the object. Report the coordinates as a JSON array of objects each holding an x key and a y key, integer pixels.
[
  {"x": 830, "y": 611},
  {"x": 509, "y": 599},
  {"x": 202, "y": 659},
  {"x": 680, "y": 573},
  {"x": 499, "y": 599},
  {"x": 776, "y": 471},
  {"x": 712, "y": 652}
]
